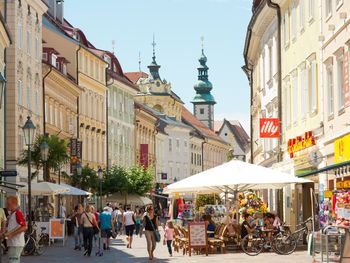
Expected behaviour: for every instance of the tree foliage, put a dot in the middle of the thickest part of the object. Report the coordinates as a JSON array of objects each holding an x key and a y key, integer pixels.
[
  {"x": 133, "y": 180},
  {"x": 88, "y": 180},
  {"x": 207, "y": 199},
  {"x": 58, "y": 154}
]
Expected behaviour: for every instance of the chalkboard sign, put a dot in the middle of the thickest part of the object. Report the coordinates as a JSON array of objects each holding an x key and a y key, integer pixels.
[{"x": 197, "y": 236}]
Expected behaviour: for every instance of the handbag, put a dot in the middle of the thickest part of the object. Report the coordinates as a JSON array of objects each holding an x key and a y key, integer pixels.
[
  {"x": 155, "y": 231},
  {"x": 96, "y": 230}
]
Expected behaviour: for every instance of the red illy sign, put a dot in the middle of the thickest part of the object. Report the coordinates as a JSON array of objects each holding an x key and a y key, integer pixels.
[{"x": 269, "y": 128}]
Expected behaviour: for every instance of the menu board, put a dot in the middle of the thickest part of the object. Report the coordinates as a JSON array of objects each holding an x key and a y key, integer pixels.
[
  {"x": 57, "y": 229},
  {"x": 197, "y": 235},
  {"x": 347, "y": 211}
]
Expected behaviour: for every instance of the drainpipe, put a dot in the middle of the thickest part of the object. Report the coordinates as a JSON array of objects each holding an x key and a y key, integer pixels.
[
  {"x": 205, "y": 141},
  {"x": 249, "y": 72},
  {"x": 107, "y": 124},
  {"x": 5, "y": 71},
  {"x": 279, "y": 65},
  {"x": 43, "y": 90},
  {"x": 77, "y": 81}
]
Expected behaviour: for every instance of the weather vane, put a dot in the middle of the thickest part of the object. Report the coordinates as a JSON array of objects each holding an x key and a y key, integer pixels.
[
  {"x": 202, "y": 40},
  {"x": 113, "y": 46},
  {"x": 139, "y": 61},
  {"x": 154, "y": 46}
]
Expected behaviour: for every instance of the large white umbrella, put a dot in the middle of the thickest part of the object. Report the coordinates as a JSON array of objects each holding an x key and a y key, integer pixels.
[
  {"x": 131, "y": 199},
  {"x": 74, "y": 191},
  {"x": 233, "y": 176},
  {"x": 45, "y": 188}
]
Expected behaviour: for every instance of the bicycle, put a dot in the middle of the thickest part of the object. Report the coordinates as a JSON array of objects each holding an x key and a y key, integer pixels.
[{"x": 35, "y": 244}]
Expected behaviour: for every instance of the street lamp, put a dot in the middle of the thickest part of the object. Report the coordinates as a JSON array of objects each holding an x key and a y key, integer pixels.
[
  {"x": 29, "y": 135},
  {"x": 44, "y": 150},
  {"x": 100, "y": 174}
]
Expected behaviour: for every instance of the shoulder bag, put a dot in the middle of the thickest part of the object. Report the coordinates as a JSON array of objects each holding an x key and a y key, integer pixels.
[
  {"x": 155, "y": 231},
  {"x": 96, "y": 230}
]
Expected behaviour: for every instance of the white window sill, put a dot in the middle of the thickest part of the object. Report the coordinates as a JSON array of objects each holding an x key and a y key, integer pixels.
[{"x": 339, "y": 5}]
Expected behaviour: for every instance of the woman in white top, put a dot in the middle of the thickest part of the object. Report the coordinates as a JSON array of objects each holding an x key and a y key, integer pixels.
[{"x": 129, "y": 224}]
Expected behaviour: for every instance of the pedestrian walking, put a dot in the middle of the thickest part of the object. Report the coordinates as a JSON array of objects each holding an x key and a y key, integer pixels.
[
  {"x": 169, "y": 236},
  {"x": 88, "y": 221},
  {"x": 138, "y": 220},
  {"x": 16, "y": 226},
  {"x": 118, "y": 215},
  {"x": 106, "y": 225},
  {"x": 150, "y": 225},
  {"x": 97, "y": 217},
  {"x": 78, "y": 229},
  {"x": 129, "y": 225}
]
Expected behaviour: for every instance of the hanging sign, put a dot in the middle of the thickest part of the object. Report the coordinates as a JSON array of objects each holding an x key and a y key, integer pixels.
[
  {"x": 269, "y": 128},
  {"x": 300, "y": 143}
]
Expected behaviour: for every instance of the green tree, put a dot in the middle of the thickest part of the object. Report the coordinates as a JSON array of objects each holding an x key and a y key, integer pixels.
[
  {"x": 207, "y": 199},
  {"x": 88, "y": 180},
  {"x": 58, "y": 155}
]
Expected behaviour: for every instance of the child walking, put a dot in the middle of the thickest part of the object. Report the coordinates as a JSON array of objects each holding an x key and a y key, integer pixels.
[{"x": 169, "y": 236}]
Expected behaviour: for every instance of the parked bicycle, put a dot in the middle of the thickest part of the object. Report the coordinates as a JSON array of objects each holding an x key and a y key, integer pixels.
[{"x": 35, "y": 245}]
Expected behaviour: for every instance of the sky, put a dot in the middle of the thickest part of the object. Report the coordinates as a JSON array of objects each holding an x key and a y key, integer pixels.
[{"x": 178, "y": 26}]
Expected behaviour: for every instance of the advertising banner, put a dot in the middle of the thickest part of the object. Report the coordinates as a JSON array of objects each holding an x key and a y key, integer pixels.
[
  {"x": 269, "y": 128},
  {"x": 342, "y": 149},
  {"x": 144, "y": 155}
]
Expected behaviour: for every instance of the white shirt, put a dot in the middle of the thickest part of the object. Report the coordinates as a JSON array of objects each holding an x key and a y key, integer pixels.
[
  {"x": 110, "y": 210},
  {"x": 17, "y": 240},
  {"x": 128, "y": 215}
]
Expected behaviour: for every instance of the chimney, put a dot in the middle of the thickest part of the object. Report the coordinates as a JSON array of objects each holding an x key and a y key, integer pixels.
[
  {"x": 52, "y": 8},
  {"x": 59, "y": 10}
]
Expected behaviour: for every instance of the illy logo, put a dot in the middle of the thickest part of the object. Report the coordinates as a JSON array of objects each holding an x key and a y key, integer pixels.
[{"x": 269, "y": 128}]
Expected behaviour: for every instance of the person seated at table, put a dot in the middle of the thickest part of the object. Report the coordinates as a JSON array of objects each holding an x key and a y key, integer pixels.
[
  {"x": 246, "y": 227},
  {"x": 268, "y": 220},
  {"x": 258, "y": 220},
  {"x": 211, "y": 225},
  {"x": 277, "y": 221}
]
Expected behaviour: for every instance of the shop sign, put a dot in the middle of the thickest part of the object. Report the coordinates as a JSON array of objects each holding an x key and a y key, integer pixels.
[
  {"x": 346, "y": 184},
  {"x": 269, "y": 128},
  {"x": 328, "y": 194},
  {"x": 346, "y": 79},
  {"x": 342, "y": 149},
  {"x": 300, "y": 143}
]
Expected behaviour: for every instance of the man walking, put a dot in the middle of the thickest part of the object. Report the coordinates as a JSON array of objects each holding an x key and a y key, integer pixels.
[
  {"x": 15, "y": 230},
  {"x": 106, "y": 225}
]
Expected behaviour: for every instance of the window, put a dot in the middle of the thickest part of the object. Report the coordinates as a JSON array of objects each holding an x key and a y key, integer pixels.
[
  {"x": 61, "y": 119},
  {"x": 56, "y": 117},
  {"x": 201, "y": 111},
  {"x": 46, "y": 113},
  {"x": 170, "y": 145},
  {"x": 293, "y": 23},
  {"x": 51, "y": 114},
  {"x": 91, "y": 68},
  {"x": 295, "y": 98},
  {"x": 286, "y": 28},
  {"x": 115, "y": 100},
  {"x": 37, "y": 103},
  {"x": 330, "y": 91},
  {"x": 29, "y": 42},
  {"x": 178, "y": 144},
  {"x": 288, "y": 104},
  {"x": 270, "y": 62},
  {"x": 311, "y": 9},
  {"x": 20, "y": 93},
  {"x": 304, "y": 89},
  {"x": 185, "y": 144},
  {"x": 20, "y": 34},
  {"x": 54, "y": 60},
  {"x": 328, "y": 7},
  {"x": 340, "y": 70},
  {"x": 301, "y": 14},
  {"x": 29, "y": 96},
  {"x": 86, "y": 64},
  {"x": 313, "y": 86},
  {"x": 37, "y": 49}
]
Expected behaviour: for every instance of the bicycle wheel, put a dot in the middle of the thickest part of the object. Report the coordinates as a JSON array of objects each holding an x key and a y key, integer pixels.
[
  {"x": 252, "y": 246},
  {"x": 284, "y": 244},
  {"x": 40, "y": 249},
  {"x": 44, "y": 240},
  {"x": 29, "y": 246}
]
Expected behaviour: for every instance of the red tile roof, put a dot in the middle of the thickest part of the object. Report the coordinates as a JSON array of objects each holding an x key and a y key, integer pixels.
[
  {"x": 135, "y": 76},
  {"x": 189, "y": 118}
]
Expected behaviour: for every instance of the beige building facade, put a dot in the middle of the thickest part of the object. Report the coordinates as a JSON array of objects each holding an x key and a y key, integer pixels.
[{"x": 24, "y": 77}]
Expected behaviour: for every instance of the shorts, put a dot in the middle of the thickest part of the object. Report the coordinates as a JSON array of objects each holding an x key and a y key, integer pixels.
[
  {"x": 129, "y": 230},
  {"x": 106, "y": 233}
]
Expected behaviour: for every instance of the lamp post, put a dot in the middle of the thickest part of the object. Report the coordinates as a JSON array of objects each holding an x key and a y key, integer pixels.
[
  {"x": 29, "y": 135},
  {"x": 100, "y": 174}
]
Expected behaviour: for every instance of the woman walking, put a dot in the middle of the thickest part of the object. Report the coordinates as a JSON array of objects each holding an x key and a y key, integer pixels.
[
  {"x": 138, "y": 220},
  {"x": 129, "y": 225},
  {"x": 75, "y": 218},
  {"x": 169, "y": 236},
  {"x": 150, "y": 224},
  {"x": 88, "y": 221}
]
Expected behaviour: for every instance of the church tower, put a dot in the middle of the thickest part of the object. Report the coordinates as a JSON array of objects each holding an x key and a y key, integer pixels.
[{"x": 203, "y": 102}]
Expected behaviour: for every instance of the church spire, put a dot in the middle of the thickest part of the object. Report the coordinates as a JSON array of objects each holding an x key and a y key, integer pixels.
[{"x": 154, "y": 67}]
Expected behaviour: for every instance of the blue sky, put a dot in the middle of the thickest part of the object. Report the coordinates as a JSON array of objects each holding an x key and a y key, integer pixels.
[{"x": 178, "y": 26}]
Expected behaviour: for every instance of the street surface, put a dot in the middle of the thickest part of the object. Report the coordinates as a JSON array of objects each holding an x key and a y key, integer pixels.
[{"x": 119, "y": 253}]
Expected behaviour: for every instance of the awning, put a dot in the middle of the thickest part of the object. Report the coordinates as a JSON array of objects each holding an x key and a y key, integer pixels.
[
  {"x": 326, "y": 169},
  {"x": 74, "y": 191},
  {"x": 44, "y": 188}
]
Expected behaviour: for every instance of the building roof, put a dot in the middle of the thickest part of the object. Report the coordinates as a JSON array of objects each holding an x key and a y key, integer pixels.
[
  {"x": 236, "y": 128},
  {"x": 190, "y": 119},
  {"x": 135, "y": 76}
]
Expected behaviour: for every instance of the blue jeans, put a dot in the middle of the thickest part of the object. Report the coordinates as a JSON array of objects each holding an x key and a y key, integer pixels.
[{"x": 78, "y": 236}]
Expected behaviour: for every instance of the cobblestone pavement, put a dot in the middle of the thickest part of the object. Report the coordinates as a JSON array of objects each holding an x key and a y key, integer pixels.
[{"x": 119, "y": 253}]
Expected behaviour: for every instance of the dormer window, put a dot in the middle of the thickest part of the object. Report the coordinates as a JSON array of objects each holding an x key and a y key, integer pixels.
[
  {"x": 45, "y": 56},
  {"x": 108, "y": 60},
  {"x": 53, "y": 60},
  {"x": 64, "y": 69}
]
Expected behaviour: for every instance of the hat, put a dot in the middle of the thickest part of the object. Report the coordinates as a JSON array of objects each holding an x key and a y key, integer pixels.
[{"x": 106, "y": 208}]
